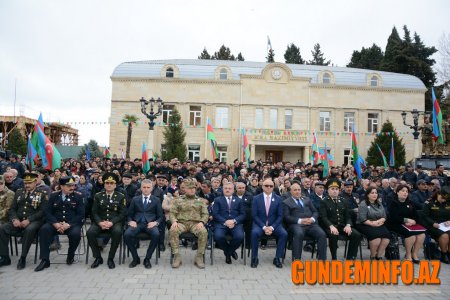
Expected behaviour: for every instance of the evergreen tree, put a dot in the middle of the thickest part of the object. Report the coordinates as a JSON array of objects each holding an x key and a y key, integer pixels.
[
  {"x": 292, "y": 55},
  {"x": 240, "y": 57},
  {"x": 384, "y": 141},
  {"x": 393, "y": 50},
  {"x": 368, "y": 58},
  {"x": 270, "y": 56},
  {"x": 16, "y": 142},
  {"x": 224, "y": 53},
  {"x": 93, "y": 149},
  {"x": 204, "y": 54},
  {"x": 318, "y": 57},
  {"x": 174, "y": 136}
]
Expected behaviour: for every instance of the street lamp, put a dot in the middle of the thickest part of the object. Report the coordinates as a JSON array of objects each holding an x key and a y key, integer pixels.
[
  {"x": 415, "y": 114},
  {"x": 151, "y": 115}
]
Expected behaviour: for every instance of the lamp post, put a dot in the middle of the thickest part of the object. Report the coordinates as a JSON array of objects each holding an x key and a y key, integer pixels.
[
  {"x": 415, "y": 114},
  {"x": 151, "y": 115}
]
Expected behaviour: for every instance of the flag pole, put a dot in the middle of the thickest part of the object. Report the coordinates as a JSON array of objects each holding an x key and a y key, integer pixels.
[{"x": 206, "y": 137}]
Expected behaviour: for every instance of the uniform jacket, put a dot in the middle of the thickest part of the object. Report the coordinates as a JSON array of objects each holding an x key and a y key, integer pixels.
[
  {"x": 332, "y": 213},
  {"x": 189, "y": 209},
  {"x": 275, "y": 217},
  {"x": 435, "y": 212},
  {"x": 6, "y": 199},
  {"x": 29, "y": 207},
  {"x": 221, "y": 212},
  {"x": 70, "y": 211},
  {"x": 113, "y": 210}
]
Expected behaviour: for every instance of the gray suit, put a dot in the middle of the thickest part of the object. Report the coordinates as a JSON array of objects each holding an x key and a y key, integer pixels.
[{"x": 292, "y": 213}]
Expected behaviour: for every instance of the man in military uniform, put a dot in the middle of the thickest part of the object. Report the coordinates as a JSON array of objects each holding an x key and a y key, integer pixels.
[
  {"x": 108, "y": 215},
  {"x": 427, "y": 136},
  {"x": 335, "y": 219},
  {"x": 189, "y": 213},
  {"x": 26, "y": 216},
  {"x": 351, "y": 199},
  {"x": 6, "y": 199},
  {"x": 65, "y": 215}
]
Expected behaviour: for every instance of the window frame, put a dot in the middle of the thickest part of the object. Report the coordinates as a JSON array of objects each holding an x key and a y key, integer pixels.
[
  {"x": 323, "y": 127},
  {"x": 289, "y": 117},
  {"x": 195, "y": 116},
  {"x": 349, "y": 122},
  {"x": 220, "y": 119},
  {"x": 273, "y": 118},
  {"x": 372, "y": 122},
  {"x": 259, "y": 123},
  {"x": 194, "y": 154}
]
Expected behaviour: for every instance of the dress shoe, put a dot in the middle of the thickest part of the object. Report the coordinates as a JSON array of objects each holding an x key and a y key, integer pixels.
[
  {"x": 234, "y": 255},
  {"x": 5, "y": 261},
  {"x": 307, "y": 248},
  {"x": 444, "y": 258},
  {"x": 98, "y": 261},
  {"x": 44, "y": 264},
  {"x": 147, "y": 263},
  {"x": 254, "y": 262},
  {"x": 70, "y": 259},
  {"x": 21, "y": 263},
  {"x": 134, "y": 263},
  {"x": 416, "y": 261},
  {"x": 111, "y": 263},
  {"x": 228, "y": 259},
  {"x": 277, "y": 262}
]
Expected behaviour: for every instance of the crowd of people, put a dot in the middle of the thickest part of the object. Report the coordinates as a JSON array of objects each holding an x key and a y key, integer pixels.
[{"x": 231, "y": 203}]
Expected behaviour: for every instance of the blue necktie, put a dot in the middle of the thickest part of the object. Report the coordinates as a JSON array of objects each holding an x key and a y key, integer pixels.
[{"x": 299, "y": 203}]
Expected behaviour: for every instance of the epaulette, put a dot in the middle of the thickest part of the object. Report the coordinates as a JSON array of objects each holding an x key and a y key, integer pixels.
[
  {"x": 427, "y": 202},
  {"x": 77, "y": 193}
]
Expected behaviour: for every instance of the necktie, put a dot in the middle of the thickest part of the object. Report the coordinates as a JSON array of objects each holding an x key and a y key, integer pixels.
[
  {"x": 267, "y": 205},
  {"x": 145, "y": 201},
  {"x": 229, "y": 203},
  {"x": 108, "y": 197}
]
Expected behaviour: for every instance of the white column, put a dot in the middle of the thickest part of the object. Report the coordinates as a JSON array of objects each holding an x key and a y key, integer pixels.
[
  {"x": 150, "y": 143},
  {"x": 306, "y": 154},
  {"x": 252, "y": 151}
]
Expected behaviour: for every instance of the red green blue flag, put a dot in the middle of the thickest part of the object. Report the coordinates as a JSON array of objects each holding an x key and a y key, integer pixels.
[
  {"x": 246, "y": 146},
  {"x": 145, "y": 162},
  {"x": 437, "y": 119},
  {"x": 392, "y": 156},
  {"x": 211, "y": 136}
]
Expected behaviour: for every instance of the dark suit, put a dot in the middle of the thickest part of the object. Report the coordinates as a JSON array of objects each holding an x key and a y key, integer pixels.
[
  {"x": 143, "y": 215},
  {"x": 292, "y": 214},
  {"x": 71, "y": 211},
  {"x": 247, "y": 199},
  {"x": 222, "y": 212},
  {"x": 273, "y": 219}
]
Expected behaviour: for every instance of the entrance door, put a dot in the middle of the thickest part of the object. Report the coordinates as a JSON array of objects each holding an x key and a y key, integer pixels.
[{"x": 274, "y": 156}]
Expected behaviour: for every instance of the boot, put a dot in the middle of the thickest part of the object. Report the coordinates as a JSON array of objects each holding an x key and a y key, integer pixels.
[
  {"x": 176, "y": 263},
  {"x": 199, "y": 261}
]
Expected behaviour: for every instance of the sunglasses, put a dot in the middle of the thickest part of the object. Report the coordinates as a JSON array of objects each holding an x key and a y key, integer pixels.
[{"x": 268, "y": 186}]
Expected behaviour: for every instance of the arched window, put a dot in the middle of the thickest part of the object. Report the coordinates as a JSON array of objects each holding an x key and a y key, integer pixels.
[
  {"x": 169, "y": 72},
  {"x": 223, "y": 74},
  {"x": 326, "y": 78},
  {"x": 374, "y": 81}
]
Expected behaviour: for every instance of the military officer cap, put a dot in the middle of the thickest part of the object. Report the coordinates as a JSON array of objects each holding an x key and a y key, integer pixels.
[
  {"x": 333, "y": 182},
  {"x": 421, "y": 181},
  {"x": 319, "y": 183},
  {"x": 348, "y": 182},
  {"x": 67, "y": 180},
  {"x": 189, "y": 184},
  {"x": 127, "y": 175},
  {"x": 110, "y": 177},
  {"x": 95, "y": 170},
  {"x": 29, "y": 177},
  {"x": 161, "y": 176}
]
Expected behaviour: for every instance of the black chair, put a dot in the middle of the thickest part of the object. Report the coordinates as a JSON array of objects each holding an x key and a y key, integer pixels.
[
  {"x": 229, "y": 238},
  {"x": 192, "y": 238},
  {"x": 16, "y": 235},
  {"x": 346, "y": 239},
  {"x": 268, "y": 238},
  {"x": 104, "y": 235},
  {"x": 307, "y": 238},
  {"x": 141, "y": 236}
]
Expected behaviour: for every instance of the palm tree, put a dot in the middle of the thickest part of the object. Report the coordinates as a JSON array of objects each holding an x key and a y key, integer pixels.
[{"x": 129, "y": 120}]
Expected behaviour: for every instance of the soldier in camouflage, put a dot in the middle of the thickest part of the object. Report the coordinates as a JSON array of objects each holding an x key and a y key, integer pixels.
[
  {"x": 427, "y": 136},
  {"x": 188, "y": 213},
  {"x": 6, "y": 199},
  {"x": 441, "y": 147}
]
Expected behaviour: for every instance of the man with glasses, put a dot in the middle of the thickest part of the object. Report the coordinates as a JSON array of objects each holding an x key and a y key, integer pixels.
[
  {"x": 108, "y": 215},
  {"x": 267, "y": 214},
  {"x": 26, "y": 216}
]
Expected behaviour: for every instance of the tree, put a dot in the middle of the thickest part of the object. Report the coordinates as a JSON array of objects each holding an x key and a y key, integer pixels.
[
  {"x": 204, "y": 54},
  {"x": 174, "y": 136},
  {"x": 16, "y": 142},
  {"x": 93, "y": 149},
  {"x": 292, "y": 55},
  {"x": 129, "y": 120},
  {"x": 318, "y": 57},
  {"x": 224, "y": 53},
  {"x": 443, "y": 72},
  {"x": 368, "y": 58},
  {"x": 270, "y": 56},
  {"x": 240, "y": 57},
  {"x": 384, "y": 140}
]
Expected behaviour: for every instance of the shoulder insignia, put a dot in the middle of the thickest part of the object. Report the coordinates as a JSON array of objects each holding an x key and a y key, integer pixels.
[
  {"x": 55, "y": 192},
  {"x": 427, "y": 202}
]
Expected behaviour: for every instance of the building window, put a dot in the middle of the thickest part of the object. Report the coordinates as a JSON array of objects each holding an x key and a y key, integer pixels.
[
  {"x": 259, "y": 114},
  {"x": 325, "y": 123},
  {"x": 195, "y": 115},
  {"x": 166, "y": 113},
  {"x": 273, "y": 118},
  {"x": 169, "y": 73},
  {"x": 222, "y": 117},
  {"x": 374, "y": 81},
  {"x": 222, "y": 151},
  {"x": 326, "y": 78},
  {"x": 349, "y": 121},
  {"x": 223, "y": 74},
  {"x": 347, "y": 157},
  {"x": 288, "y": 119},
  {"x": 372, "y": 122},
  {"x": 194, "y": 153}
]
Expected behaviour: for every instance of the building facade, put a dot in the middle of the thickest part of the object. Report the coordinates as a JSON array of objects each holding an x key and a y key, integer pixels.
[{"x": 280, "y": 106}]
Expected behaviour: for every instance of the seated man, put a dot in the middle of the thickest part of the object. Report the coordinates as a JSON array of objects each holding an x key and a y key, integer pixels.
[
  {"x": 65, "y": 215},
  {"x": 188, "y": 213},
  {"x": 144, "y": 215},
  {"x": 228, "y": 216},
  {"x": 335, "y": 219},
  {"x": 108, "y": 214},
  {"x": 301, "y": 217},
  {"x": 267, "y": 214},
  {"x": 26, "y": 216}
]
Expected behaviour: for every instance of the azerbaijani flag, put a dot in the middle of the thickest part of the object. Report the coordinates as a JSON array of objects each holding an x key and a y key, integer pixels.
[
  {"x": 315, "y": 149},
  {"x": 31, "y": 154},
  {"x": 35, "y": 139},
  {"x": 326, "y": 163},
  {"x": 246, "y": 147},
  {"x": 210, "y": 136},
  {"x": 383, "y": 157},
  {"x": 107, "y": 154},
  {"x": 437, "y": 119},
  {"x": 392, "y": 157},
  {"x": 356, "y": 157},
  {"x": 145, "y": 162}
]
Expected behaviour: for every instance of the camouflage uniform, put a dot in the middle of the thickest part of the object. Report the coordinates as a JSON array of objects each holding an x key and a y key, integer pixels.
[
  {"x": 188, "y": 212},
  {"x": 441, "y": 148},
  {"x": 6, "y": 199},
  {"x": 427, "y": 137}
]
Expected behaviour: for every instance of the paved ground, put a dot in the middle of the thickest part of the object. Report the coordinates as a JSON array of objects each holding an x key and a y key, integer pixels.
[{"x": 219, "y": 281}]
